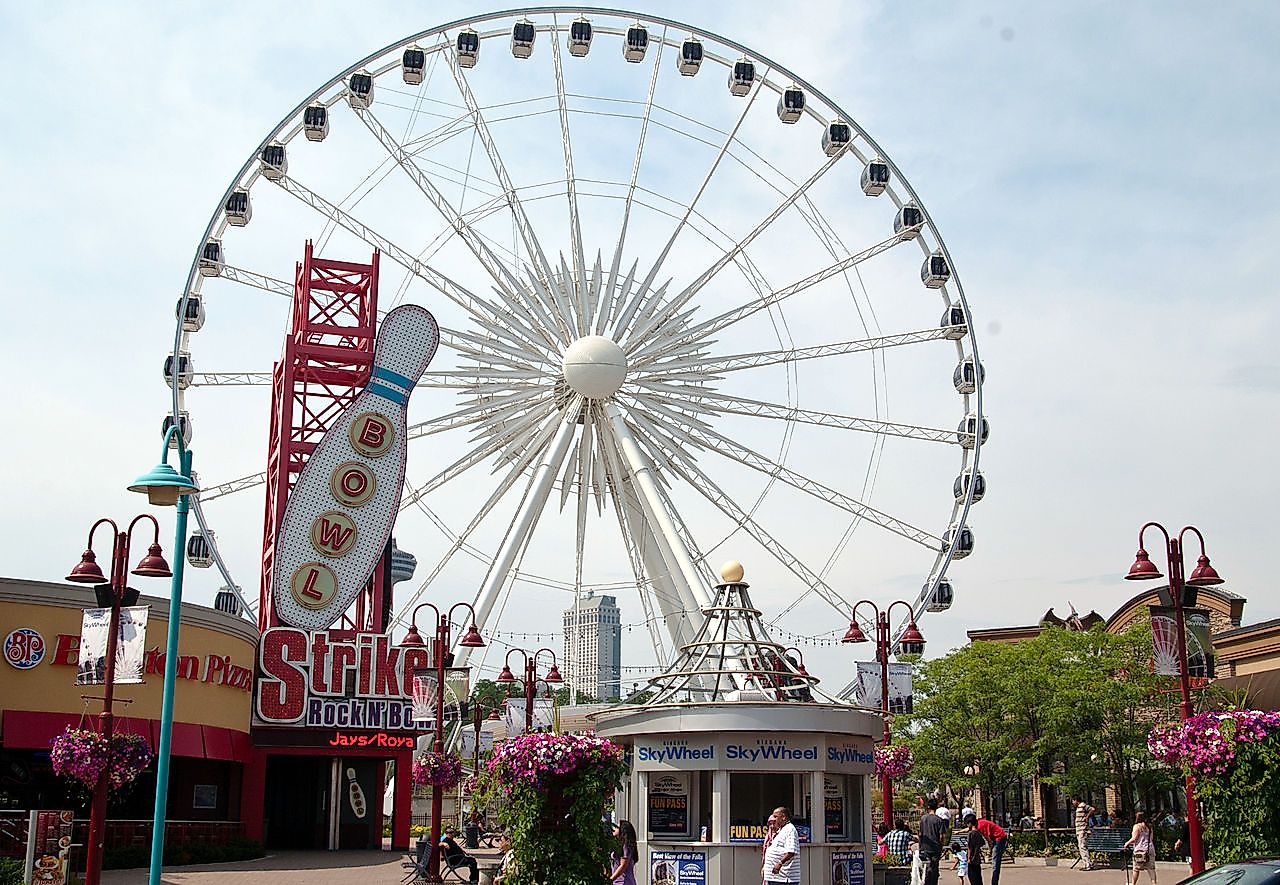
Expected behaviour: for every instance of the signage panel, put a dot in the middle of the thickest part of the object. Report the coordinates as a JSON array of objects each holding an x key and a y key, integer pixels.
[
  {"x": 131, "y": 645},
  {"x": 746, "y": 751},
  {"x": 678, "y": 868},
  {"x": 848, "y": 868},
  {"x": 668, "y": 804},
  {"x": 310, "y": 679}
]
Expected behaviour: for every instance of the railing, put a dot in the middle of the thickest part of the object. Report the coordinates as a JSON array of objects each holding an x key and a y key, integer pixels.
[{"x": 121, "y": 833}]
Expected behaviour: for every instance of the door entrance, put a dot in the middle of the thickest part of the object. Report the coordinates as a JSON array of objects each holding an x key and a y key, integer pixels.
[
  {"x": 297, "y": 802},
  {"x": 323, "y": 802}
]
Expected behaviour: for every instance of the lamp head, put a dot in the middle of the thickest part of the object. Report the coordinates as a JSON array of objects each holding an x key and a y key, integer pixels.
[
  {"x": 493, "y": 714},
  {"x": 911, "y": 645},
  {"x": 87, "y": 570},
  {"x": 472, "y": 639},
  {"x": 854, "y": 633},
  {"x": 163, "y": 485},
  {"x": 553, "y": 675},
  {"x": 153, "y": 565},
  {"x": 506, "y": 677},
  {"x": 412, "y": 639},
  {"x": 1204, "y": 575},
  {"x": 1143, "y": 569}
]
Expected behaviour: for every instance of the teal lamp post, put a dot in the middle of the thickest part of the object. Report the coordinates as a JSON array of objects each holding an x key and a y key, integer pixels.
[{"x": 167, "y": 487}]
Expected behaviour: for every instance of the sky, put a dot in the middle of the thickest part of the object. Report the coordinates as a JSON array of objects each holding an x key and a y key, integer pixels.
[{"x": 1103, "y": 175}]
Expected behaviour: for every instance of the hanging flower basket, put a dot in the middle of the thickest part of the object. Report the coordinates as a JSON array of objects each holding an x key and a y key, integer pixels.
[
  {"x": 895, "y": 761},
  {"x": 433, "y": 769},
  {"x": 1206, "y": 744},
  {"x": 84, "y": 755}
]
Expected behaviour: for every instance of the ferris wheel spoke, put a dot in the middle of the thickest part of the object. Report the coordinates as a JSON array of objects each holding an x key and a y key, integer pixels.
[
  {"x": 662, "y": 345},
  {"x": 726, "y": 504},
  {"x": 504, "y": 486},
  {"x": 522, "y": 432},
  {"x": 257, "y": 280},
  {"x": 209, "y": 493},
  {"x": 735, "y": 451},
  {"x": 692, "y": 367},
  {"x": 521, "y": 399},
  {"x": 571, "y": 183},
  {"x": 623, "y": 324},
  {"x": 508, "y": 287},
  {"x": 713, "y": 401},
  {"x": 476, "y": 308},
  {"x": 643, "y": 586},
  {"x": 489, "y": 347},
  {"x": 525, "y": 520},
  {"x": 525, "y": 228},
  {"x": 609, "y": 303},
  {"x": 672, "y": 307}
]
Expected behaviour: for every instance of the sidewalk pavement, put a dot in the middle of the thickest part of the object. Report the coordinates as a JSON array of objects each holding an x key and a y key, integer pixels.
[{"x": 383, "y": 868}]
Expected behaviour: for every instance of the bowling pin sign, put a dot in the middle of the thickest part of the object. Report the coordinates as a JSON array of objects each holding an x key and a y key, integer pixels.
[{"x": 343, "y": 506}]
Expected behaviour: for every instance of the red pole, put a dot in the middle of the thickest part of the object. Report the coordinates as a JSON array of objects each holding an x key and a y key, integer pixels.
[
  {"x": 437, "y": 745},
  {"x": 98, "y": 810},
  {"x": 530, "y": 681},
  {"x": 1176, "y": 584},
  {"x": 882, "y": 649}
]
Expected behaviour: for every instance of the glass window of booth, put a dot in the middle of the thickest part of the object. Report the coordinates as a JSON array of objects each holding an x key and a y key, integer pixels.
[
  {"x": 752, "y": 797},
  {"x": 841, "y": 808}
]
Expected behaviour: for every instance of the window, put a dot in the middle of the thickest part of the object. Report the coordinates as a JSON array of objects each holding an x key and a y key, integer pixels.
[{"x": 753, "y": 795}]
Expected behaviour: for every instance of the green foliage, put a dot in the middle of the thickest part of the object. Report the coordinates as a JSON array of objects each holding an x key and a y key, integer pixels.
[
  {"x": 1066, "y": 707},
  {"x": 1031, "y": 844},
  {"x": 562, "y": 694},
  {"x": 556, "y": 829},
  {"x": 1242, "y": 805},
  {"x": 183, "y": 854},
  {"x": 10, "y": 871}
]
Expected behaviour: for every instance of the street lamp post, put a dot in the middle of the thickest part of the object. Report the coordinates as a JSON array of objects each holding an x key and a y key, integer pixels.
[
  {"x": 911, "y": 644},
  {"x": 440, "y": 656},
  {"x": 1203, "y": 575},
  {"x": 506, "y": 677},
  {"x": 165, "y": 487},
  {"x": 87, "y": 571}
]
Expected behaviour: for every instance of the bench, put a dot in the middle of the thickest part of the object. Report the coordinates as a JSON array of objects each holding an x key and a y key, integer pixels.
[{"x": 1110, "y": 841}]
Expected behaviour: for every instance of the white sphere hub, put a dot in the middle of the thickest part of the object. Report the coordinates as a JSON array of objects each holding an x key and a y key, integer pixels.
[{"x": 595, "y": 367}]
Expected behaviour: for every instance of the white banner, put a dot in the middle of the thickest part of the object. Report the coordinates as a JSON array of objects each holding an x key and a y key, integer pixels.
[
  {"x": 468, "y": 749},
  {"x": 131, "y": 645},
  {"x": 868, "y": 691},
  {"x": 513, "y": 715},
  {"x": 424, "y": 698}
]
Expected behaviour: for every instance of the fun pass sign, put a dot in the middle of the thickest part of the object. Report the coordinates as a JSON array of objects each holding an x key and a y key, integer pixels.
[
  {"x": 343, "y": 506},
  {"x": 309, "y": 679}
]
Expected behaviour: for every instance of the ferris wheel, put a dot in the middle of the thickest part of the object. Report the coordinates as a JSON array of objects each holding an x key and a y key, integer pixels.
[{"x": 688, "y": 307}]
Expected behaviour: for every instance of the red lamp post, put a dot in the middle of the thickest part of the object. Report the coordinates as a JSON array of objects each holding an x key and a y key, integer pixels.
[
  {"x": 1184, "y": 594},
  {"x": 152, "y": 565},
  {"x": 441, "y": 657},
  {"x": 530, "y": 681},
  {"x": 911, "y": 644}
]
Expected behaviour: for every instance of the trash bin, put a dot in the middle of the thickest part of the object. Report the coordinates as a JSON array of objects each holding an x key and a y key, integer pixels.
[{"x": 471, "y": 836}]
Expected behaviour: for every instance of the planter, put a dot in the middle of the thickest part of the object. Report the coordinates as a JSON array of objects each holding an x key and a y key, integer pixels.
[{"x": 1051, "y": 861}]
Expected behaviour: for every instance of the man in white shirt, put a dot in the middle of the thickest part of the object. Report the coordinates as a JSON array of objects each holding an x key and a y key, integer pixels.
[{"x": 782, "y": 857}]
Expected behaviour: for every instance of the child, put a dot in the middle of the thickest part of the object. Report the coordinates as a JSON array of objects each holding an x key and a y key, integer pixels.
[
  {"x": 961, "y": 860},
  {"x": 973, "y": 852}
]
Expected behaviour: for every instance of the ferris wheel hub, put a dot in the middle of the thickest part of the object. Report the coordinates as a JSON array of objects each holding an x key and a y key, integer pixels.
[{"x": 594, "y": 366}]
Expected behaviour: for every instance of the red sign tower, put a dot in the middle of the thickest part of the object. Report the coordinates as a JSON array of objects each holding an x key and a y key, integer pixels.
[{"x": 326, "y": 363}]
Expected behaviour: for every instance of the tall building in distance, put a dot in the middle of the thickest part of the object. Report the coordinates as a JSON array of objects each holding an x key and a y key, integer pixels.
[{"x": 593, "y": 646}]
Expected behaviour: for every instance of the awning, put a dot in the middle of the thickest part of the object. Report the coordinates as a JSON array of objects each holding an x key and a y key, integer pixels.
[
  {"x": 1262, "y": 688},
  {"x": 27, "y": 730}
]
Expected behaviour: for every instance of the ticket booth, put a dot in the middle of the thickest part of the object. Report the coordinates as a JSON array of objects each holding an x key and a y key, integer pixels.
[{"x": 705, "y": 777}]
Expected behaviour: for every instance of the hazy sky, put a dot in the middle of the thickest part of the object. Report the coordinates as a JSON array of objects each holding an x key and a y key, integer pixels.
[{"x": 1104, "y": 176}]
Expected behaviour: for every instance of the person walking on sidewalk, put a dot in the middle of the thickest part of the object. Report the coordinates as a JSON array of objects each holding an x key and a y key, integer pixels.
[
  {"x": 996, "y": 838},
  {"x": 1080, "y": 819},
  {"x": 782, "y": 857},
  {"x": 932, "y": 831},
  {"x": 1144, "y": 848}
]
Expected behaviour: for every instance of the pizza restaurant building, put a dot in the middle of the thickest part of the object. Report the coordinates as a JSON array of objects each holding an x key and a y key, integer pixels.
[
  {"x": 300, "y": 762},
  {"x": 40, "y": 628}
]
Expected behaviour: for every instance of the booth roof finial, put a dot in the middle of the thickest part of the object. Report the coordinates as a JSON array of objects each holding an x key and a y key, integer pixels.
[{"x": 731, "y": 572}]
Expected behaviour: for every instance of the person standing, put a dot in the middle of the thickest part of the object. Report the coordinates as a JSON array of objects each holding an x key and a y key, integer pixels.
[
  {"x": 898, "y": 842},
  {"x": 932, "y": 831},
  {"x": 973, "y": 853},
  {"x": 782, "y": 856},
  {"x": 996, "y": 838},
  {"x": 625, "y": 856},
  {"x": 1080, "y": 820},
  {"x": 1182, "y": 842},
  {"x": 1144, "y": 848}
]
